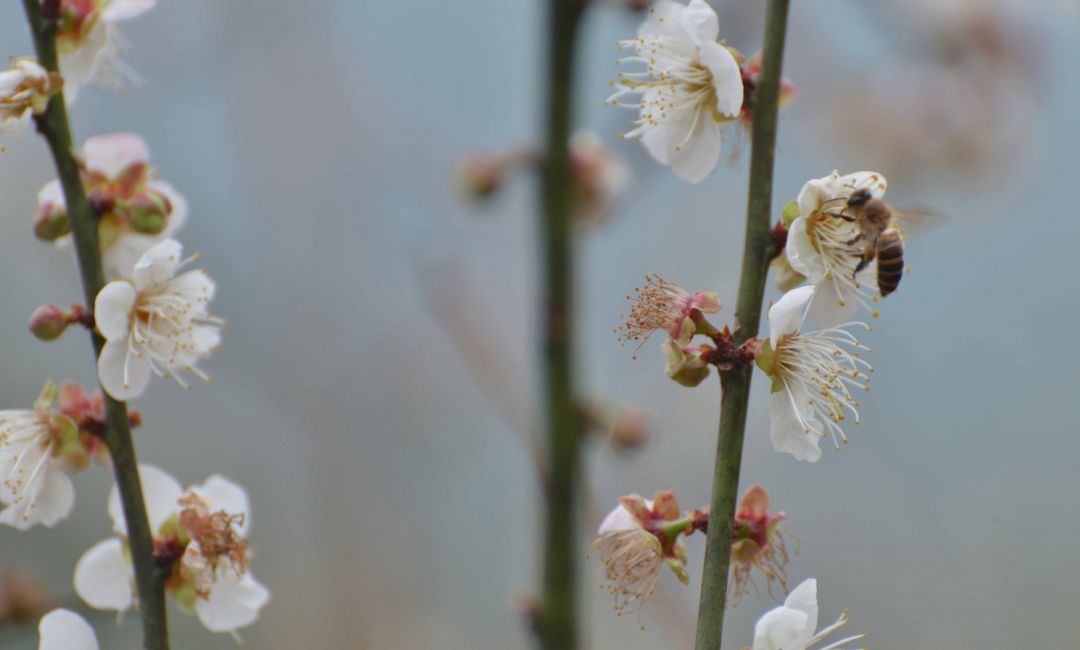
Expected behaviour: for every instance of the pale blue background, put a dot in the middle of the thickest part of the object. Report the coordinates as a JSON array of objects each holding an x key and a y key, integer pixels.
[{"x": 393, "y": 501}]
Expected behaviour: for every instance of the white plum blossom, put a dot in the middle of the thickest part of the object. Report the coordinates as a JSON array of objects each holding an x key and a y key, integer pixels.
[
  {"x": 812, "y": 374},
  {"x": 690, "y": 88},
  {"x": 89, "y": 43},
  {"x": 38, "y": 448},
  {"x": 793, "y": 625},
  {"x": 156, "y": 322},
  {"x": 826, "y": 248},
  {"x": 138, "y": 210},
  {"x": 204, "y": 532},
  {"x": 63, "y": 629},
  {"x": 24, "y": 90}
]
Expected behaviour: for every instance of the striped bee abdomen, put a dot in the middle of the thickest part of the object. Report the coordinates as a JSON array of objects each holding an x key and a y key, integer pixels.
[{"x": 890, "y": 260}]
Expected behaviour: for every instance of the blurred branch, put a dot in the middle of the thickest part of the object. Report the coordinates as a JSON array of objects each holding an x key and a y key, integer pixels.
[
  {"x": 54, "y": 126},
  {"x": 735, "y": 384},
  {"x": 558, "y": 615}
]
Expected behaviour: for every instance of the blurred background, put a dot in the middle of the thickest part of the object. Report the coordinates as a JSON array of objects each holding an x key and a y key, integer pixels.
[{"x": 375, "y": 391}]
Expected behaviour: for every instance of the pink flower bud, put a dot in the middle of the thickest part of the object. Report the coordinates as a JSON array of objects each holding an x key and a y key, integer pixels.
[{"x": 48, "y": 322}]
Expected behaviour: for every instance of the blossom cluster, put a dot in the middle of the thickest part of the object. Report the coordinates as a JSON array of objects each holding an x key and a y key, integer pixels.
[
  {"x": 153, "y": 319},
  {"x": 838, "y": 251}
]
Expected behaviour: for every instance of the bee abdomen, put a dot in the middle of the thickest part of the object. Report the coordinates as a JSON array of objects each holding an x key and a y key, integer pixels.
[{"x": 890, "y": 256}]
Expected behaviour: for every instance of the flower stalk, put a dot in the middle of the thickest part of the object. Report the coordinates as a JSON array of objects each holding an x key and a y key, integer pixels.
[
  {"x": 758, "y": 250},
  {"x": 54, "y": 127},
  {"x": 558, "y": 627}
]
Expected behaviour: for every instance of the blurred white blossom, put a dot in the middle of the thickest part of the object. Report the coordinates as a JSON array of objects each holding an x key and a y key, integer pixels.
[
  {"x": 156, "y": 322},
  {"x": 203, "y": 531},
  {"x": 24, "y": 90},
  {"x": 136, "y": 209},
  {"x": 63, "y": 629},
  {"x": 38, "y": 448},
  {"x": 89, "y": 43}
]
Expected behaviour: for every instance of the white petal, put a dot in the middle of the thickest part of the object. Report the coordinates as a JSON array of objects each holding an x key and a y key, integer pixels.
[
  {"x": 694, "y": 157},
  {"x": 826, "y": 309},
  {"x": 56, "y": 496},
  {"x": 700, "y": 22},
  {"x": 193, "y": 285},
  {"x": 786, "y": 316},
  {"x": 103, "y": 577},
  {"x": 63, "y": 629},
  {"x": 123, "y": 375},
  {"x": 873, "y": 181},
  {"x": 112, "y": 310},
  {"x": 121, "y": 257},
  {"x": 157, "y": 265},
  {"x": 13, "y": 126},
  {"x": 47, "y": 500},
  {"x": 801, "y": 253},
  {"x": 160, "y": 491},
  {"x": 618, "y": 519},
  {"x": 788, "y": 436},
  {"x": 113, "y": 153},
  {"x": 726, "y": 78},
  {"x": 816, "y": 191},
  {"x": 223, "y": 494},
  {"x": 81, "y": 64},
  {"x": 232, "y": 604},
  {"x": 10, "y": 80},
  {"x": 665, "y": 19},
  {"x": 118, "y": 10},
  {"x": 51, "y": 193},
  {"x": 804, "y": 599},
  {"x": 780, "y": 629}
]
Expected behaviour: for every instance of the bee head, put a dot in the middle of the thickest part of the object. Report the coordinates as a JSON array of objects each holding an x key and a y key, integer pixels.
[{"x": 859, "y": 197}]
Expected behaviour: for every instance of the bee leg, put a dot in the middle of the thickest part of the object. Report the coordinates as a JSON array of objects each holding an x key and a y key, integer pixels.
[
  {"x": 863, "y": 263},
  {"x": 853, "y": 240},
  {"x": 846, "y": 217}
]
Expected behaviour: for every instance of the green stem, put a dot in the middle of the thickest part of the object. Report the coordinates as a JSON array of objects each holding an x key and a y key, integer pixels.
[
  {"x": 557, "y": 623},
  {"x": 53, "y": 125},
  {"x": 735, "y": 384}
]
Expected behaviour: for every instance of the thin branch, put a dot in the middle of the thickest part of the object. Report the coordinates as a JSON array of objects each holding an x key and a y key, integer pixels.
[
  {"x": 54, "y": 126},
  {"x": 735, "y": 384},
  {"x": 558, "y": 627}
]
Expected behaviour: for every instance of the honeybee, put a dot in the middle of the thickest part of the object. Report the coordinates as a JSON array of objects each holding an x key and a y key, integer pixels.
[{"x": 881, "y": 237}]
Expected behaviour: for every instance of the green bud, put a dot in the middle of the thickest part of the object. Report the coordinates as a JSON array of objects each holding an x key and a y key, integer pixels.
[
  {"x": 148, "y": 213},
  {"x": 48, "y": 322},
  {"x": 791, "y": 212},
  {"x": 51, "y": 223}
]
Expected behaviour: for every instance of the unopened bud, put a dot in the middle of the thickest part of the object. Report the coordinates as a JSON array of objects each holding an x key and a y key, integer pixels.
[
  {"x": 51, "y": 222},
  {"x": 48, "y": 322},
  {"x": 685, "y": 365},
  {"x": 631, "y": 429},
  {"x": 148, "y": 213},
  {"x": 480, "y": 174}
]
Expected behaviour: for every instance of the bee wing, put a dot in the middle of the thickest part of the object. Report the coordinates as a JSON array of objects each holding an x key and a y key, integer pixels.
[{"x": 917, "y": 220}]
